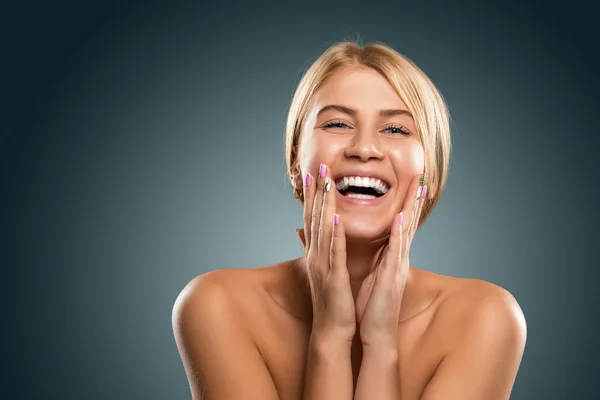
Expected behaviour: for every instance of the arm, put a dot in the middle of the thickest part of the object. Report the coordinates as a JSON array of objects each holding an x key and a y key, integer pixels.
[
  {"x": 222, "y": 362},
  {"x": 484, "y": 365},
  {"x": 328, "y": 369},
  {"x": 379, "y": 376},
  {"x": 220, "y": 359}
]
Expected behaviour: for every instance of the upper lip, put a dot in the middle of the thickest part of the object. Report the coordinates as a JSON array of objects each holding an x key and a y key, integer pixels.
[{"x": 362, "y": 173}]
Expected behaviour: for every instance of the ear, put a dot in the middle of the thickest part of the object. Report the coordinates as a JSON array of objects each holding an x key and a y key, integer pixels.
[
  {"x": 296, "y": 177},
  {"x": 296, "y": 181}
]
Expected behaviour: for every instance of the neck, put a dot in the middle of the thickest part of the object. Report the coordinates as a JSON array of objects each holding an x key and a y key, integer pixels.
[{"x": 361, "y": 258}]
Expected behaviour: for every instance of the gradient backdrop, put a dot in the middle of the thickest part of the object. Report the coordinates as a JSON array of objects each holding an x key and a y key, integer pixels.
[{"x": 143, "y": 145}]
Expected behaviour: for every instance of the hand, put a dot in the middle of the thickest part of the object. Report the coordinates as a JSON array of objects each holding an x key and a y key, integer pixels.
[
  {"x": 380, "y": 295},
  {"x": 325, "y": 259}
]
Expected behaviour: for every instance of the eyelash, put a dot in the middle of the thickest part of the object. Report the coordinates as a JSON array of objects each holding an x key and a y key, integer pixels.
[{"x": 403, "y": 130}]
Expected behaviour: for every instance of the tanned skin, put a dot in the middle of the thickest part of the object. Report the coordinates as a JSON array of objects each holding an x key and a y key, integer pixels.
[{"x": 351, "y": 318}]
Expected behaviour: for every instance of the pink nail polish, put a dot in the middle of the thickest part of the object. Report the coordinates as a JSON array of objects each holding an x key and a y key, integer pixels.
[
  {"x": 336, "y": 219},
  {"x": 322, "y": 170},
  {"x": 307, "y": 180},
  {"x": 424, "y": 192},
  {"x": 400, "y": 218}
]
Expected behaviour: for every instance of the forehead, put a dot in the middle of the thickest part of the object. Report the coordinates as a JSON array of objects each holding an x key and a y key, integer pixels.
[{"x": 359, "y": 87}]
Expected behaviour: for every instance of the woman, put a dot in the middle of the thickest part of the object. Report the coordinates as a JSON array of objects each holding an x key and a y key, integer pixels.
[{"x": 367, "y": 150}]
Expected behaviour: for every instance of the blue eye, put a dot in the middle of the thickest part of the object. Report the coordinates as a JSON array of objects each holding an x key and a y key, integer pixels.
[
  {"x": 335, "y": 124},
  {"x": 394, "y": 129},
  {"x": 398, "y": 130}
]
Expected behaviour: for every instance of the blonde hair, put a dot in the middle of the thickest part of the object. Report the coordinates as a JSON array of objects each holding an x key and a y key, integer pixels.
[{"x": 416, "y": 90}]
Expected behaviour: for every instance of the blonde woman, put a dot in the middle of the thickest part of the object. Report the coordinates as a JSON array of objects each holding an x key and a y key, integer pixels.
[{"x": 367, "y": 150}]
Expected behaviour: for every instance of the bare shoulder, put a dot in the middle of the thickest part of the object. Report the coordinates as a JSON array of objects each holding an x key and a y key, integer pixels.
[
  {"x": 213, "y": 338},
  {"x": 205, "y": 294},
  {"x": 484, "y": 334},
  {"x": 468, "y": 297},
  {"x": 474, "y": 306},
  {"x": 218, "y": 283},
  {"x": 219, "y": 297}
]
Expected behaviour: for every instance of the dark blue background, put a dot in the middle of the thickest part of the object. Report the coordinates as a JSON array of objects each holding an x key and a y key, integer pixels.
[{"x": 142, "y": 145}]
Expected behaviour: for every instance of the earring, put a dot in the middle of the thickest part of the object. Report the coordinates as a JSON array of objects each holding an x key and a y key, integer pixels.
[{"x": 298, "y": 193}]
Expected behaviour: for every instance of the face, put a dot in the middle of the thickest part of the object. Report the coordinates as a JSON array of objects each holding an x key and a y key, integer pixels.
[{"x": 359, "y": 127}]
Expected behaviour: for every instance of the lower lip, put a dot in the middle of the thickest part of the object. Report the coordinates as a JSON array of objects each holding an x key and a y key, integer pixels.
[{"x": 361, "y": 202}]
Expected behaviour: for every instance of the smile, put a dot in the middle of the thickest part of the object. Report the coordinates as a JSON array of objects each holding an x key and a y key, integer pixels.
[{"x": 356, "y": 187}]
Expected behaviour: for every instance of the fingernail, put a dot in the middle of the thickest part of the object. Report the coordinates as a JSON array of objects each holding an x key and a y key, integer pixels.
[
  {"x": 424, "y": 192},
  {"x": 419, "y": 192},
  {"x": 322, "y": 170},
  {"x": 400, "y": 217},
  {"x": 422, "y": 179},
  {"x": 336, "y": 219},
  {"x": 307, "y": 180}
]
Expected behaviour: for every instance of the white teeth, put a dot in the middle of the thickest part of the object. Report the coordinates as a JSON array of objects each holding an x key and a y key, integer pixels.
[
  {"x": 361, "y": 196},
  {"x": 375, "y": 183}
]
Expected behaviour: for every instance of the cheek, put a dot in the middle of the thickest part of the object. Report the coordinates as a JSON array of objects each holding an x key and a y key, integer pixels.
[
  {"x": 316, "y": 149},
  {"x": 409, "y": 157}
]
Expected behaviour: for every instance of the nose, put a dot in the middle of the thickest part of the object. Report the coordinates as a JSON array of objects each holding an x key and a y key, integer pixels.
[{"x": 364, "y": 145}]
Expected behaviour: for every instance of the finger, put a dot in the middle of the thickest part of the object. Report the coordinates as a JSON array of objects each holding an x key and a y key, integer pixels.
[
  {"x": 338, "y": 247},
  {"x": 421, "y": 193},
  {"x": 326, "y": 219},
  {"x": 402, "y": 258},
  {"x": 419, "y": 210},
  {"x": 412, "y": 195},
  {"x": 393, "y": 258},
  {"x": 309, "y": 193},
  {"x": 317, "y": 208},
  {"x": 395, "y": 244},
  {"x": 409, "y": 210}
]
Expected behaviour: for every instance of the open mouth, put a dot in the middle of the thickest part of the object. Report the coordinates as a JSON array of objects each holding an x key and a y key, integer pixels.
[{"x": 361, "y": 187}]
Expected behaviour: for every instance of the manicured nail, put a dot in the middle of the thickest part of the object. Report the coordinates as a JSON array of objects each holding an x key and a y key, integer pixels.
[
  {"x": 422, "y": 180},
  {"x": 322, "y": 170},
  {"x": 336, "y": 219},
  {"x": 307, "y": 180},
  {"x": 400, "y": 217},
  {"x": 424, "y": 192},
  {"x": 419, "y": 192},
  {"x": 327, "y": 184}
]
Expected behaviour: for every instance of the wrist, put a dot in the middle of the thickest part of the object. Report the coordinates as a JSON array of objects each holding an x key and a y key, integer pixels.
[
  {"x": 379, "y": 374},
  {"x": 335, "y": 334},
  {"x": 328, "y": 367},
  {"x": 385, "y": 353},
  {"x": 380, "y": 341},
  {"x": 327, "y": 341}
]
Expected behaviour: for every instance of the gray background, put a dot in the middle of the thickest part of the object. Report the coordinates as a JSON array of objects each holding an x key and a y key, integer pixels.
[{"x": 143, "y": 145}]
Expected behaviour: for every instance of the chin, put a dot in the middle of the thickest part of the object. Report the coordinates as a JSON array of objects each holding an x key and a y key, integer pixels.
[{"x": 362, "y": 228}]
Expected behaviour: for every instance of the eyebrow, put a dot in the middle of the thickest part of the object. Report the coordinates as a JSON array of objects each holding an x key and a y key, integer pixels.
[{"x": 352, "y": 112}]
